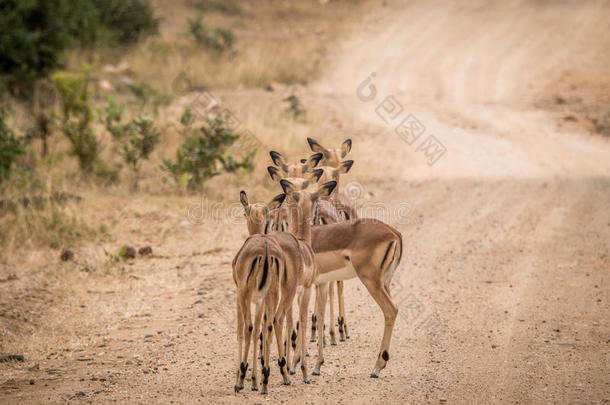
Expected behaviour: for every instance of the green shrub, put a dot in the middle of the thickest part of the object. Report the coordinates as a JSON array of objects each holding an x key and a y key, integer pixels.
[
  {"x": 220, "y": 40},
  {"x": 204, "y": 152},
  {"x": 77, "y": 115},
  {"x": 149, "y": 96},
  {"x": 11, "y": 147},
  {"x": 127, "y": 20}
]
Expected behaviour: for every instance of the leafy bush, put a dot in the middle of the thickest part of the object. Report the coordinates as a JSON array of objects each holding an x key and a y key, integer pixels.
[
  {"x": 136, "y": 140},
  {"x": 221, "y": 40},
  {"x": 11, "y": 148},
  {"x": 204, "y": 152},
  {"x": 148, "y": 95},
  {"x": 77, "y": 114},
  {"x": 127, "y": 20}
]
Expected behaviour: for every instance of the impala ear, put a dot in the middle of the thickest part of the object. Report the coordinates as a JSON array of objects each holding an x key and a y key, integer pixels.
[
  {"x": 315, "y": 146},
  {"x": 311, "y": 162},
  {"x": 316, "y": 174},
  {"x": 346, "y": 147},
  {"x": 327, "y": 188},
  {"x": 276, "y": 157},
  {"x": 288, "y": 187},
  {"x": 276, "y": 202},
  {"x": 274, "y": 173},
  {"x": 243, "y": 198},
  {"x": 278, "y": 160},
  {"x": 345, "y": 166}
]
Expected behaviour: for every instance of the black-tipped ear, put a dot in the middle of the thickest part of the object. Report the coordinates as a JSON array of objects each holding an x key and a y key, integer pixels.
[
  {"x": 327, "y": 188},
  {"x": 243, "y": 198},
  {"x": 276, "y": 157},
  {"x": 315, "y": 146},
  {"x": 287, "y": 186},
  {"x": 346, "y": 147},
  {"x": 317, "y": 173},
  {"x": 273, "y": 173},
  {"x": 303, "y": 161},
  {"x": 277, "y": 201},
  {"x": 315, "y": 158},
  {"x": 346, "y": 166}
]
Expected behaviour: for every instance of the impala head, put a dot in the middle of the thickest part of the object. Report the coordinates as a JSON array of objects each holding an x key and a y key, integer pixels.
[
  {"x": 302, "y": 182},
  {"x": 333, "y": 173},
  {"x": 332, "y": 157},
  {"x": 295, "y": 169},
  {"x": 303, "y": 199},
  {"x": 258, "y": 215}
]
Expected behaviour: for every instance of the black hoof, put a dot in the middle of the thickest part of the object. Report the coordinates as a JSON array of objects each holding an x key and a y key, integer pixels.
[
  {"x": 315, "y": 372},
  {"x": 312, "y": 340},
  {"x": 374, "y": 375},
  {"x": 333, "y": 343},
  {"x": 306, "y": 380},
  {"x": 264, "y": 392},
  {"x": 238, "y": 388},
  {"x": 341, "y": 339},
  {"x": 292, "y": 371},
  {"x": 254, "y": 388},
  {"x": 286, "y": 383}
]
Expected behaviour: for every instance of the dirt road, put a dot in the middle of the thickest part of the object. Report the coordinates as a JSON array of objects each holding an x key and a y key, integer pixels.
[{"x": 503, "y": 289}]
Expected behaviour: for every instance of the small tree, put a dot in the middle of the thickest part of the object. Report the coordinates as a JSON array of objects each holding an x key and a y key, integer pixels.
[
  {"x": 204, "y": 152},
  {"x": 11, "y": 148},
  {"x": 136, "y": 139},
  {"x": 77, "y": 114}
]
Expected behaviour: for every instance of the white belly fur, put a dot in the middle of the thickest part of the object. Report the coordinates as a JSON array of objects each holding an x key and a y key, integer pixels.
[{"x": 341, "y": 274}]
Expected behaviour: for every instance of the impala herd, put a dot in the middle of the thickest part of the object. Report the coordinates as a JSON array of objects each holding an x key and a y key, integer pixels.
[{"x": 309, "y": 235}]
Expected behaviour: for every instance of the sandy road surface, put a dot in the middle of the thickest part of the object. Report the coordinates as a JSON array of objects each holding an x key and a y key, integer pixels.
[{"x": 503, "y": 289}]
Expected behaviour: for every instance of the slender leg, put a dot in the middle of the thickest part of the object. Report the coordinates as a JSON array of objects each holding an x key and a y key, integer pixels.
[
  {"x": 247, "y": 338},
  {"x": 314, "y": 321},
  {"x": 331, "y": 300},
  {"x": 240, "y": 345},
  {"x": 278, "y": 323},
  {"x": 270, "y": 309},
  {"x": 291, "y": 338},
  {"x": 381, "y": 296},
  {"x": 303, "y": 309},
  {"x": 341, "y": 319},
  {"x": 257, "y": 324},
  {"x": 297, "y": 335},
  {"x": 322, "y": 309}
]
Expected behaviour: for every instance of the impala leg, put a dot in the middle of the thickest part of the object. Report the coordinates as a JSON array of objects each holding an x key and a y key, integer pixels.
[
  {"x": 331, "y": 300},
  {"x": 314, "y": 320},
  {"x": 257, "y": 324},
  {"x": 323, "y": 288},
  {"x": 291, "y": 338},
  {"x": 381, "y": 296},
  {"x": 240, "y": 345},
  {"x": 278, "y": 324},
  {"x": 341, "y": 320},
  {"x": 297, "y": 340},
  {"x": 247, "y": 319},
  {"x": 303, "y": 309},
  {"x": 270, "y": 309}
]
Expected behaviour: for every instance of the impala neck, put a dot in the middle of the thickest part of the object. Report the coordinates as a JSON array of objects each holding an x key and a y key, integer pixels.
[{"x": 299, "y": 224}]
